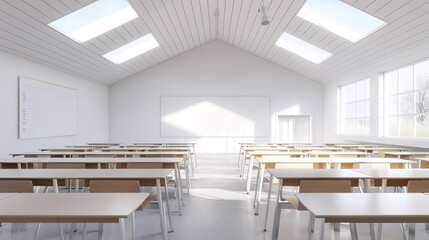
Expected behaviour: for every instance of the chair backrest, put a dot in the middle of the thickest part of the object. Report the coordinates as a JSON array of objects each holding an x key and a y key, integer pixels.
[
  {"x": 114, "y": 186},
  {"x": 65, "y": 165},
  {"x": 117, "y": 186},
  {"x": 324, "y": 186},
  {"x": 16, "y": 186},
  {"x": 418, "y": 186},
  {"x": 144, "y": 165}
]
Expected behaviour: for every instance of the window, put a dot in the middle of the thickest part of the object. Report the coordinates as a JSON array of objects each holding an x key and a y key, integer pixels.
[
  {"x": 406, "y": 101},
  {"x": 353, "y": 108}
]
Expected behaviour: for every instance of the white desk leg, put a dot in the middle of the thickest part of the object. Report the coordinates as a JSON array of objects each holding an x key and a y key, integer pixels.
[
  {"x": 195, "y": 156},
  {"x": 249, "y": 175},
  {"x": 161, "y": 210},
  {"x": 411, "y": 231},
  {"x": 353, "y": 231},
  {"x": 257, "y": 185},
  {"x": 122, "y": 227},
  {"x": 239, "y": 157},
  {"x": 322, "y": 229},
  {"x": 268, "y": 202},
  {"x": 133, "y": 225},
  {"x": 258, "y": 192},
  {"x": 167, "y": 199},
  {"x": 179, "y": 188},
  {"x": 188, "y": 178},
  {"x": 243, "y": 164},
  {"x": 277, "y": 212}
]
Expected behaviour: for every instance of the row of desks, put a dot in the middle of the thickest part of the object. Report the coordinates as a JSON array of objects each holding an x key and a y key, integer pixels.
[
  {"x": 50, "y": 177},
  {"x": 382, "y": 177},
  {"x": 81, "y": 208}
]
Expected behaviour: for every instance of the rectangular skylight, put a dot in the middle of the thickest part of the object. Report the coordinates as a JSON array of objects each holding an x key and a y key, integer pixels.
[
  {"x": 302, "y": 48},
  {"x": 340, "y": 18},
  {"x": 94, "y": 19},
  {"x": 132, "y": 49}
]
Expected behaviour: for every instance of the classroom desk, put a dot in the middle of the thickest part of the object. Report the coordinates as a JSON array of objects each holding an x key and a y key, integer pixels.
[
  {"x": 367, "y": 208},
  {"x": 15, "y": 162},
  {"x": 81, "y": 208},
  {"x": 394, "y": 177},
  {"x": 244, "y": 150},
  {"x": 380, "y": 149},
  {"x": 327, "y": 154},
  {"x": 408, "y": 155},
  {"x": 423, "y": 162},
  {"x": 167, "y": 154},
  {"x": 67, "y": 149},
  {"x": 48, "y": 177},
  {"x": 167, "y": 145},
  {"x": 271, "y": 162},
  {"x": 313, "y": 148},
  {"x": 172, "y": 163},
  {"x": 293, "y": 177},
  {"x": 103, "y": 144},
  {"x": 256, "y": 154}
]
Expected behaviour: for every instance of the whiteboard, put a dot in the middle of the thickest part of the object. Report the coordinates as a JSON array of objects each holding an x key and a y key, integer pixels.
[
  {"x": 46, "y": 110},
  {"x": 231, "y": 116}
]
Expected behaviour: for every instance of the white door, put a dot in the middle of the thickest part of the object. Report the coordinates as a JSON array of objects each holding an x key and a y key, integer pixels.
[{"x": 294, "y": 129}]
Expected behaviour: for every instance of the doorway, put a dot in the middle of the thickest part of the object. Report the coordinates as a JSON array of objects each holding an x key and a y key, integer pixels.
[{"x": 294, "y": 129}]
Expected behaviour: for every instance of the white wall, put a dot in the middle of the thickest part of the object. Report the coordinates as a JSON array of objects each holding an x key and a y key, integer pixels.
[
  {"x": 389, "y": 62},
  {"x": 93, "y": 110},
  {"x": 215, "y": 69}
]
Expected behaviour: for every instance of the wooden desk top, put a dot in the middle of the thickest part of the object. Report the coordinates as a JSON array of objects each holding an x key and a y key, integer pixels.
[
  {"x": 321, "y": 148},
  {"x": 64, "y": 207},
  {"x": 316, "y": 174},
  {"x": 123, "y": 173},
  {"x": 38, "y": 173},
  {"x": 97, "y": 153},
  {"x": 395, "y": 173},
  {"x": 274, "y": 153},
  {"x": 159, "y": 149},
  {"x": 280, "y": 148},
  {"x": 406, "y": 153},
  {"x": 273, "y": 159},
  {"x": 17, "y": 160},
  {"x": 102, "y": 160},
  {"x": 103, "y": 144},
  {"x": 84, "y": 173},
  {"x": 367, "y": 207},
  {"x": 337, "y": 153},
  {"x": 67, "y": 149},
  {"x": 382, "y": 148}
]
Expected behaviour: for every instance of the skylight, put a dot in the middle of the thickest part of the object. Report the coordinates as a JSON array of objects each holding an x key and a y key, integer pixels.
[
  {"x": 340, "y": 18},
  {"x": 94, "y": 19},
  {"x": 302, "y": 48},
  {"x": 132, "y": 49}
]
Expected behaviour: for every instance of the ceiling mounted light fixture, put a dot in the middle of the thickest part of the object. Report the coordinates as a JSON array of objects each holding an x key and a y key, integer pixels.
[
  {"x": 94, "y": 19},
  {"x": 263, "y": 10}
]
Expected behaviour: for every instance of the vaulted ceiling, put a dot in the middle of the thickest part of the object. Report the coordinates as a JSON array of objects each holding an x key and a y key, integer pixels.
[{"x": 182, "y": 25}]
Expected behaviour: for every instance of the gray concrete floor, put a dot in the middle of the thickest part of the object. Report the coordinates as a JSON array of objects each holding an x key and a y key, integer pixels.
[{"x": 217, "y": 208}]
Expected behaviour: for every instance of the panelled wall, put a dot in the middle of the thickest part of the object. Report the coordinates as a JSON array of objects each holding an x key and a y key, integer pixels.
[
  {"x": 390, "y": 62},
  {"x": 215, "y": 69},
  {"x": 92, "y": 106}
]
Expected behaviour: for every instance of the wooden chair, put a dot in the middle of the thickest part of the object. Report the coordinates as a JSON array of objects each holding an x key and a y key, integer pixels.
[
  {"x": 316, "y": 186},
  {"x": 116, "y": 186},
  {"x": 16, "y": 186},
  {"x": 416, "y": 186}
]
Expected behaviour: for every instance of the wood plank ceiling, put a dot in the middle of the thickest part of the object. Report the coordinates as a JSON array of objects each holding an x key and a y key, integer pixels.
[{"x": 182, "y": 25}]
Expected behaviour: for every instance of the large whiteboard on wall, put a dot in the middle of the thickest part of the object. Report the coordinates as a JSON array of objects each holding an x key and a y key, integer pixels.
[
  {"x": 46, "y": 110},
  {"x": 230, "y": 116}
]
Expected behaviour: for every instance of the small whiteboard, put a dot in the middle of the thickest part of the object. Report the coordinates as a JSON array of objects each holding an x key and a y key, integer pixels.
[
  {"x": 46, "y": 110},
  {"x": 212, "y": 116}
]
